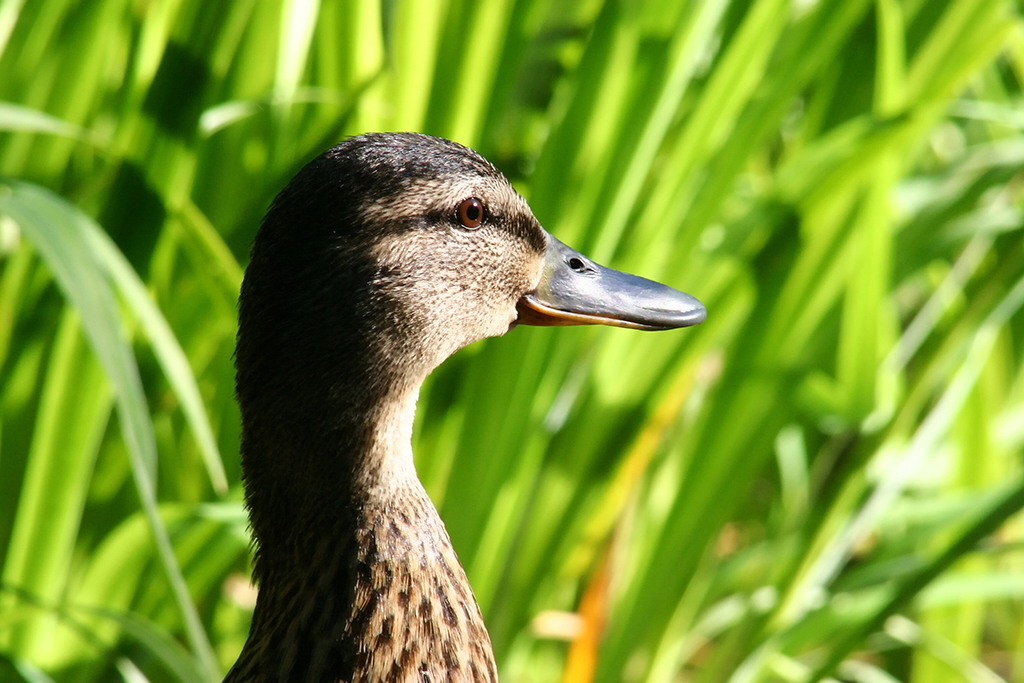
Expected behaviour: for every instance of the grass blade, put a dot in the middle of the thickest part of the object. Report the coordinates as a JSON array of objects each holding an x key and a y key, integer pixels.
[{"x": 56, "y": 229}]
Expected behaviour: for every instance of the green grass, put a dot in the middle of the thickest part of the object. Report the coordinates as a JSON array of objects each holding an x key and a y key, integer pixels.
[{"x": 821, "y": 481}]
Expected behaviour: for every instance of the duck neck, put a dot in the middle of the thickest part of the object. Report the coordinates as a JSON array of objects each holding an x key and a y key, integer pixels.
[
  {"x": 358, "y": 578},
  {"x": 310, "y": 469},
  {"x": 383, "y": 468}
]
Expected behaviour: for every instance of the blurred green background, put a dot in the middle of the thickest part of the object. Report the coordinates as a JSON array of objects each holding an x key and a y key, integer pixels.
[{"x": 822, "y": 480}]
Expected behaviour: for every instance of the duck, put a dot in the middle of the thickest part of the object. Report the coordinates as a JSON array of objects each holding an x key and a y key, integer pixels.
[{"x": 381, "y": 258}]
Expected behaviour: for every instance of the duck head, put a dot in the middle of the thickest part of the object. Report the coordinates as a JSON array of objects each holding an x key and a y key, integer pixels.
[{"x": 424, "y": 246}]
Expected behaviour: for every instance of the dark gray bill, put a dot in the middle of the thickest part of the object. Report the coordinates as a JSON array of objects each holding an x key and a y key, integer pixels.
[{"x": 574, "y": 290}]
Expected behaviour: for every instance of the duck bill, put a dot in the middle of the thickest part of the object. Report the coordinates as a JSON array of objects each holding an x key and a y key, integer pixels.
[{"x": 573, "y": 290}]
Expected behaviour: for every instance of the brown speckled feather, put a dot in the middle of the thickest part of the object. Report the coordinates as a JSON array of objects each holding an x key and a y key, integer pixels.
[
  {"x": 398, "y": 609},
  {"x": 414, "y": 617}
]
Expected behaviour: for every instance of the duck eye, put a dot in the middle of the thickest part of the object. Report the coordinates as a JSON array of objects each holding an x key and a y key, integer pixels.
[{"x": 471, "y": 213}]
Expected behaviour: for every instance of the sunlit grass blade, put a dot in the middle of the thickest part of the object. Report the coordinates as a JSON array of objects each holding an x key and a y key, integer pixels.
[
  {"x": 1009, "y": 501},
  {"x": 157, "y": 643},
  {"x": 23, "y": 119},
  {"x": 165, "y": 345},
  {"x": 18, "y": 669},
  {"x": 57, "y": 232},
  {"x": 74, "y": 411}
]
